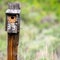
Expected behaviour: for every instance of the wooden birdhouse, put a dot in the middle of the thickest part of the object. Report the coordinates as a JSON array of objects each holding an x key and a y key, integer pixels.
[{"x": 13, "y": 18}]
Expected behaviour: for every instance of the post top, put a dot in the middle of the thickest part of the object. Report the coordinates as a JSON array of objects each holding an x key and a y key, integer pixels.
[{"x": 13, "y": 8}]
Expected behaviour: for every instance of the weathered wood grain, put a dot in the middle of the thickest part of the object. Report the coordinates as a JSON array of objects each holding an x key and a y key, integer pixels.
[
  {"x": 13, "y": 18},
  {"x": 13, "y": 40}
]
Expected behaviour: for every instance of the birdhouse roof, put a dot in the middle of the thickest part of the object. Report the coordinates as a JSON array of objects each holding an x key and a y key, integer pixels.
[{"x": 12, "y": 11}]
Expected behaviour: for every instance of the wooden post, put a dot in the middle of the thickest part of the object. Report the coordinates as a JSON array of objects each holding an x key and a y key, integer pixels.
[
  {"x": 12, "y": 28},
  {"x": 13, "y": 40}
]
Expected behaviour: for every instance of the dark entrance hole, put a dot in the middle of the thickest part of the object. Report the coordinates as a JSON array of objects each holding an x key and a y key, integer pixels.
[{"x": 12, "y": 17}]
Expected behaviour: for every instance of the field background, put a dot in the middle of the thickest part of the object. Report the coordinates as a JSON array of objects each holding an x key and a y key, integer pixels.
[{"x": 39, "y": 30}]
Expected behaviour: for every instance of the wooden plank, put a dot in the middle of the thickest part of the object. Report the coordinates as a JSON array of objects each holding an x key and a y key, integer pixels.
[{"x": 13, "y": 40}]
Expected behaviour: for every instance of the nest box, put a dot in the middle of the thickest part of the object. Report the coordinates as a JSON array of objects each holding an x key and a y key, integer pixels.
[{"x": 13, "y": 18}]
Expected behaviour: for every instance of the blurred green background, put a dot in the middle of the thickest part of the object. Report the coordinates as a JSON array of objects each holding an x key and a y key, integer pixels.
[{"x": 39, "y": 29}]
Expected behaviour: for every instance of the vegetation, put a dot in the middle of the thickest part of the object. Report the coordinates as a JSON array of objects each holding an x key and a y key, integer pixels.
[{"x": 39, "y": 29}]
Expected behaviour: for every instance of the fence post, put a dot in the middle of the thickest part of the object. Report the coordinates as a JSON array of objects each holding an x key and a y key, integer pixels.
[{"x": 13, "y": 28}]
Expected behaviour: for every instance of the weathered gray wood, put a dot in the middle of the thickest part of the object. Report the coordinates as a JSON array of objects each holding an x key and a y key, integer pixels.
[
  {"x": 12, "y": 11},
  {"x": 13, "y": 24},
  {"x": 14, "y": 6}
]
